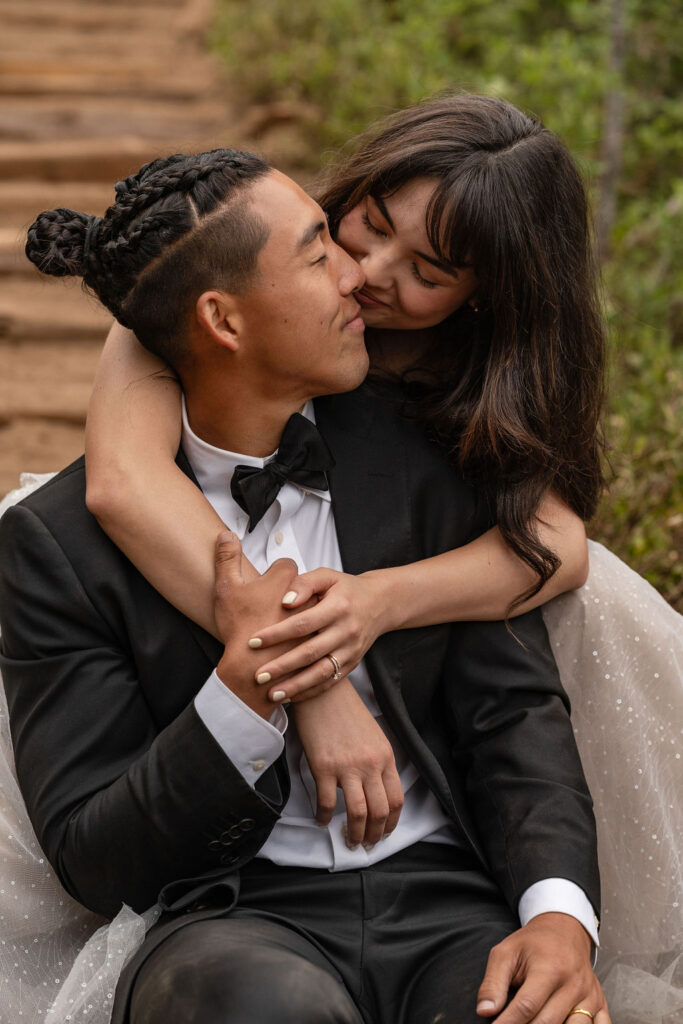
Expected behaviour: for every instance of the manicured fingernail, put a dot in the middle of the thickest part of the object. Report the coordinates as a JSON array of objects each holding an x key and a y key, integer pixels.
[
  {"x": 485, "y": 1005},
  {"x": 255, "y": 642},
  {"x": 368, "y": 846},
  {"x": 321, "y": 824},
  {"x": 263, "y": 677},
  {"x": 278, "y": 695},
  {"x": 290, "y": 597},
  {"x": 353, "y": 846}
]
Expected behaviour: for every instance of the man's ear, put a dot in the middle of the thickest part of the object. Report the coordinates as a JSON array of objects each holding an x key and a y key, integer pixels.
[{"x": 218, "y": 316}]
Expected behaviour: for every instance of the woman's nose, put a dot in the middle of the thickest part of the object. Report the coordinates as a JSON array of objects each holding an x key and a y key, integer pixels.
[{"x": 376, "y": 264}]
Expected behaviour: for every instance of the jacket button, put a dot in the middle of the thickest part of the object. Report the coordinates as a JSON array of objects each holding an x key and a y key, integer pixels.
[
  {"x": 226, "y": 837},
  {"x": 235, "y": 832},
  {"x": 228, "y": 859},
  {"x": 247, "y": 824},
  {"x": 215, "y": 844}
]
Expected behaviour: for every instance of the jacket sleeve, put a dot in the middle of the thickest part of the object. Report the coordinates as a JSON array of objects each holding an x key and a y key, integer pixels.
[
  {"x": 121, "y": 807},
  {"x": 515, "y": 744}
]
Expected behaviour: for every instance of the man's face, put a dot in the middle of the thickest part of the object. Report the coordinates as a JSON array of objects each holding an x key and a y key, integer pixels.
[{"x": 302, "y": 333}]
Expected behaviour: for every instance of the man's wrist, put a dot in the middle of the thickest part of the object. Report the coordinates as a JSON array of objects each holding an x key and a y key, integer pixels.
[
  {"x": 251, "y": 743},
  {"x": 238, "y": 676},
  {"x": 559, "y": 895},
  {"x": 569, "y": 923}
]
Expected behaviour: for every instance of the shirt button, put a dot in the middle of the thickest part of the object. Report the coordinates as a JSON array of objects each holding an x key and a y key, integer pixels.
[
  {"x": 258, "y": 765},
  {"x": 279, "y": 537}
]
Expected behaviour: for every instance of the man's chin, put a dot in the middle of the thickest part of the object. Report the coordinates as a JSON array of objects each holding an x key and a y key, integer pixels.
[{"x": 350, "y": 380}]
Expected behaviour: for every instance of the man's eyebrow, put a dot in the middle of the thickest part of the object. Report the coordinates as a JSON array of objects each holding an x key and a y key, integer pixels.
[{"x": 310, "y": 234}]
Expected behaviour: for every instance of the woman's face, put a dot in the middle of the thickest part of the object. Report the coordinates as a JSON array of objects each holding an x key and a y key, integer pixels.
[{"x": 406, "y": 286}]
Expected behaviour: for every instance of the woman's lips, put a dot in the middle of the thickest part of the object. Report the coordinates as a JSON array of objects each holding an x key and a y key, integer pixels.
[{"x": 369, "y": 301}]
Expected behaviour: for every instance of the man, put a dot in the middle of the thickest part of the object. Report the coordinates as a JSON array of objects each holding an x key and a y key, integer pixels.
[{"x": 137, "y": 735}]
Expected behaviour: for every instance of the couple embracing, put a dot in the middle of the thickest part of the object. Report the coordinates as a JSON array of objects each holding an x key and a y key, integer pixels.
[{"x": 350, "y": 803}]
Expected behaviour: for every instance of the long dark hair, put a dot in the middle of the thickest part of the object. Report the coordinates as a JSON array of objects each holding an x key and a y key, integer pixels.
[
  {"x": 178, "y": 227},
  {"x": 515, "y": 390}
]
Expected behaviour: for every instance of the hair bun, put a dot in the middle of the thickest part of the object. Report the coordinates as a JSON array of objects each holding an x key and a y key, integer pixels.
[{"x": 57, "y": 242}]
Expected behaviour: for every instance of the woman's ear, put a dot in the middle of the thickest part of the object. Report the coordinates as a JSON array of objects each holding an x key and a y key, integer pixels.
[{"x": 218, "y": 317}]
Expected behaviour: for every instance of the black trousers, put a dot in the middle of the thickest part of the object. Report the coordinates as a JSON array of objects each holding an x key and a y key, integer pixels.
[{"x": 402, "y": 942}]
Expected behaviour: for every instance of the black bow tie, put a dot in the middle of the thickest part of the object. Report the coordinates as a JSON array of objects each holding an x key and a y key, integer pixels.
[{"x": 303, "y": 457}]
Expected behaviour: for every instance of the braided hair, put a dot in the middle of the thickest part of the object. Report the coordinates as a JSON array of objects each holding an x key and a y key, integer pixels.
[{"x": 176, "y": 229}]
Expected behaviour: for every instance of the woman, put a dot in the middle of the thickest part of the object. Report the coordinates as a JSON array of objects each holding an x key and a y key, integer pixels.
[{"x": 481, "y": 412}]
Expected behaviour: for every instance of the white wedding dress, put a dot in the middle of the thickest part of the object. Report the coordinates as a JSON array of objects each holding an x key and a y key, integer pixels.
[{"x": 619, "y": 648}]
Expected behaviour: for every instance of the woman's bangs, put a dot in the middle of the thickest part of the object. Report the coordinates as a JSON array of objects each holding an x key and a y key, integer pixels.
[{"x": 448, "y": 229}]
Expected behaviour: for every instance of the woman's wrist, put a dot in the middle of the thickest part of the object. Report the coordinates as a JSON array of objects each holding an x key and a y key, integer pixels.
[{"x": 385, "y": 599}]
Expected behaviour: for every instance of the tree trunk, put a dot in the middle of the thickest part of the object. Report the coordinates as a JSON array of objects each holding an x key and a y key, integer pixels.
[{"x": 613, "y": 134}]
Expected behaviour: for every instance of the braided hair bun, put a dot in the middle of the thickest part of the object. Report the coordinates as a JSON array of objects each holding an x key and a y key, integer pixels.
[
  {"x": 59, "y": 242},
  {"x": 161, "y": 243}
]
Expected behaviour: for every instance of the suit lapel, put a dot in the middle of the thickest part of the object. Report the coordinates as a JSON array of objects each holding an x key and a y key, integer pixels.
[
  {"x": 368, "y": 484},
  {"x": 370, "y": 489}
]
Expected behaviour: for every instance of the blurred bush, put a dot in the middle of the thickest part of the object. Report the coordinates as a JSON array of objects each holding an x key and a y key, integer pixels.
[{"x": 355, "y": 61}]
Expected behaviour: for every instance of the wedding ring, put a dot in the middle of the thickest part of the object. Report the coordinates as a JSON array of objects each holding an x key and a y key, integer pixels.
[
  {"x": 579, "y": 1009},
  {"x": 336, "y": 666}
]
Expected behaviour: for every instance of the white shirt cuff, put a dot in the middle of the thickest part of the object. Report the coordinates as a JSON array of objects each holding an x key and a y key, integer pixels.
[
  {"x": 251, "y": 743},
  {"x": 560, "y": 896}
]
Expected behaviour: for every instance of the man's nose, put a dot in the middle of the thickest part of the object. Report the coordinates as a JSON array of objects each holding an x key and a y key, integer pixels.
[{"x": 351, "y": 274}]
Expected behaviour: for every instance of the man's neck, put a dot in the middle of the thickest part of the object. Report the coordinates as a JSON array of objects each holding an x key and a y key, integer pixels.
[{"x": 250, "y": 425}]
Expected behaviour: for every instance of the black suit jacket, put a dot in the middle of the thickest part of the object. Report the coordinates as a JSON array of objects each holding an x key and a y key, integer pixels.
[{"x": 128, "y": 791}]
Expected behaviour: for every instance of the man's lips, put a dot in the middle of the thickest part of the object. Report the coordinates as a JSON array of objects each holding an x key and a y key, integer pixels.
[
  {"x": 369, "y": 300},
  {"x": 355, "y": 322}
]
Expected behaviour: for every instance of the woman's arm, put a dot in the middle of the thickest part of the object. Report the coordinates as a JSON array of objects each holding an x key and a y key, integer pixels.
[
  {"x": 142, "y": 500},
  {"x": 478, "y": 581},
  {"x": 162, "y": 522}
]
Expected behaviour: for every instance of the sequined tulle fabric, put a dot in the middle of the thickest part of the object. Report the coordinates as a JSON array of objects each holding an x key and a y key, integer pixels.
[
  {"x": 619, "y": 648},
  {"x": 58, "y": 961}
]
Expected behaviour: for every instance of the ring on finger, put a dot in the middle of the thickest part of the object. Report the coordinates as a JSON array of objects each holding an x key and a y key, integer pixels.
[
  {"x": 336, "y": 666},
  {"x": 580, "y": 1009}
]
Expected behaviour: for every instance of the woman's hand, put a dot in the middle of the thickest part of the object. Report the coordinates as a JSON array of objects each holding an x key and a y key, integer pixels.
[
  {"x": 346, "y": 749},
  {"x": 350, "y": 614}
]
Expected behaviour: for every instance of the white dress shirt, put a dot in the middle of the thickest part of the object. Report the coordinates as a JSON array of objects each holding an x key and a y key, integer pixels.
[{"x": 300, "y": 525}]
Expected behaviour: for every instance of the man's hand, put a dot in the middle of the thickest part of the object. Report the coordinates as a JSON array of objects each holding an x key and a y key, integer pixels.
[
  {"x": 548, "y": 962},
  {"x": 346, "y": 748},
  {"x": 242, "y": 599}
]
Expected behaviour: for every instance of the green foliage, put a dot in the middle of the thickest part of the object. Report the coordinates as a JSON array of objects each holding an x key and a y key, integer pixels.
[{"x": 355, "y": 60}]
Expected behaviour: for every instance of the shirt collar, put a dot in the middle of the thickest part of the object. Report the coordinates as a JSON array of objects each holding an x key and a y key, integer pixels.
[{"x": 212, "y": 465}]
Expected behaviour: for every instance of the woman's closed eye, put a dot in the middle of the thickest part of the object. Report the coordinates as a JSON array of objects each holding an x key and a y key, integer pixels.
[
  {"x": 371, "y": 227},
  {"x": 413, "y": 267},
  {"x": 423, "y": 281}
]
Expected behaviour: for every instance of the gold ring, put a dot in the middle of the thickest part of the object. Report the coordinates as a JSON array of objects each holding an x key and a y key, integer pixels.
[
  {"x": 579, "y": 1009},
  {"x": 336, "y": 666}
]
